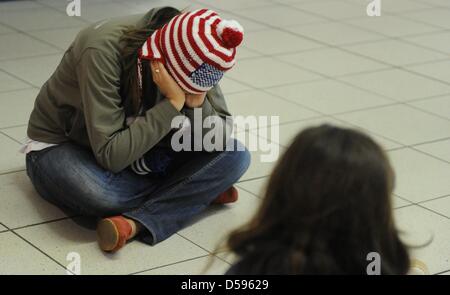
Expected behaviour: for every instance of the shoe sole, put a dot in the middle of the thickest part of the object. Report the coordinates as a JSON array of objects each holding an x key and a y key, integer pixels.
[{"x": 107, "y": 234}]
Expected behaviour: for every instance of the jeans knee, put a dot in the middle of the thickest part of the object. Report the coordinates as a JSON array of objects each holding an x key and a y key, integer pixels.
[{"x": 104, "y": 204}]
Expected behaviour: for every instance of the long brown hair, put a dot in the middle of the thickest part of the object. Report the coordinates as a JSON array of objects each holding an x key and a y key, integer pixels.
[
  {"x": 327, "y": 205},
  {"x": 133, "y": 38}
]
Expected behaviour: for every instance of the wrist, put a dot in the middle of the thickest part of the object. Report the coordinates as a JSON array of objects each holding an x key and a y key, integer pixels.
[
  {"x": 194, "y": 103},
  {"x": 178, "y": 102}
]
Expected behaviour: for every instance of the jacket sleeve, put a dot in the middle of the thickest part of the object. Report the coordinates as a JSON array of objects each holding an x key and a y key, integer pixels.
[
  {"x": 115, "y": 146},
  {"x": 214, "y": 105}
]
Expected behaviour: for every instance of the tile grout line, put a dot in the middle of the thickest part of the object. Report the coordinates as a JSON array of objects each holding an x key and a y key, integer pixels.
[
  {"x": 319, "y": 112},
  {"x": 427, "y": 98},
  {"x": 429, "y": 141},
  {"x": 170, "y": 264},
  {"x": 248, "y": 191},
  {"x": 31, "y": 36},
  {"x": 251, "y": 179},
  {"x": 18, "y": 78},
  {"x": 430, "y": 155},
  {"x": 3, "y": 92},
  {"x": 13, "y": 139},
  {"x": 204, "y": 249},
  {"x": 433, "y": 211},
  {"x": 442, "y": 272},
  {"x": 419, "y": 204},
  {"x": 434, "y": 199},
  {"x": 45, "y": 222},
  {"x": 60, "y": 12},
  {"x": 22, "y": 58},
  {"x": 426, "y": 111},
  {"x": 13, "y": 126},
  {"x": 328, "y": 45},
  {"x": 336, "y": 79},
  {"x": 4, "y": 230},
  {"x": 11, "y": 172},
  {"x": 37, "y": 248}
]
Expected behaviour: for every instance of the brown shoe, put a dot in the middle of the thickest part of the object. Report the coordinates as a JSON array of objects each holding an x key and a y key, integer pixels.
[
  {"x": 231, "y": 195},
  {"x": 113, "y": 233}
]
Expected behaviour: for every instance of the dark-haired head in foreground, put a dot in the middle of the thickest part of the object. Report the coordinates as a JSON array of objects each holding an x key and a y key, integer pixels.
[{"x": 327, "y": 205}]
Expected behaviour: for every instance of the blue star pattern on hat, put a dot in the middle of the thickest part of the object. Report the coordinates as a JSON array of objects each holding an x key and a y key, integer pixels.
[{"x": 206, "y": 75}]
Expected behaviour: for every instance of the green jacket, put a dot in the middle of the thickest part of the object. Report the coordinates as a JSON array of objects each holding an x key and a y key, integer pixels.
[{"x": 81, "y": 102}]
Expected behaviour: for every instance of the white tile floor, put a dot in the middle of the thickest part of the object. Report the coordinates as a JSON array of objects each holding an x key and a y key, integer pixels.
[{"x": 309, "y": 61}]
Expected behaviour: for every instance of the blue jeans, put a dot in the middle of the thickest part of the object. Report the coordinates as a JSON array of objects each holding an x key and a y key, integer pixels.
[{"x": 68, "y": 176}]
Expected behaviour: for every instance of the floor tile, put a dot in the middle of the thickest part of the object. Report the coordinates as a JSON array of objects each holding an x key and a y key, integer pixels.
[
  {"x": 18, "y": 133},
  {"x": 231, "y": 86},
  {"x": 334, "y": 33},
  {"x": 438, "y": 41},
  {"x": 399, "y": 202},
  {"x": 18, "y": 257},
  {"x": 266, "y": 72},
  {"x": 275, "y": 42},
  {"x": 392, "y": 26},
  {"x": 43, "y": 67},
  {"x": 19, "y": 45},
  {"x": 256, "y": 186},
  {"x": 401, "y": 6},
  {"x": 198, "y": 266},
  {"x": 393, "y": 52},
  {"x": 441, "y": 205},
  {"x": 279, "y": 16},
  {"x": 237, "y": 4},
  {"x": 440, "y": 149},
  {"x": 5, "y": 30},
  {"x": 329, "y": 96},
  {"x": 248, "y": 24},
  {"x": 62, "y": 5},
  {"x": 438, "y": 105},
  {"x": 264, "y": 154},
  {"x": 8, "y": 83},
  {"x": 61, "y": 38},
  {"x": 214, "y": 226},
  {"x": 229, "y": 257},
  {"x": 397, "y": 6},
  {"x": 62, "y": 237},
  {"x": 16, "y": 106},
  {"x": 93, "y": 12},
  {"x": 437, "y": 17},
  {"x": 400, "y": 123},
  {"x": 290, "y": 130},
  {"x": 11, "y": 159},
  {"x": 443, "y": 3},
  {"x": 336, "y": 10},
  {"x": 6, "y": 6},
  {"x": 243, "y": 53},
  {"x": 436, "y": 70},
  {"x": 38, "y": 19},
  {"x": 332, "y": 62},
  {"x": 419, "y": 226},
  {"x": 21, "y": 204},
  {"x": 419, "y": 177},
  {"x": 258, "y": 104},
  {"x": 398, "y": 84}
]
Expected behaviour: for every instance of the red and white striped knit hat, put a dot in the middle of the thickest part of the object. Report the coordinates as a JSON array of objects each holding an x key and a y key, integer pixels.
[{"x": 196, "y": 47}]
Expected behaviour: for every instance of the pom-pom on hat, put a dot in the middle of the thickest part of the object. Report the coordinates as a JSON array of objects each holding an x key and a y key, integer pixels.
[{"x": 196, "y": 47}]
